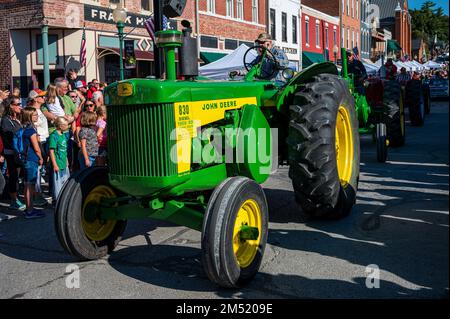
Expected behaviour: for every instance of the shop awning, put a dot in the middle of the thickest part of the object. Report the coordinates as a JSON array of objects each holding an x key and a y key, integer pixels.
[
  {"x": 392, "y": 45},
  {"x": 209, "y": 57},
  {"x": 140, "y": 55},
  {"x": 310, "y": 58}
]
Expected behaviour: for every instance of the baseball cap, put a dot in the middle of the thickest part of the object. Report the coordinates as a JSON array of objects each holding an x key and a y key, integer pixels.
[
  {"x": 35, "y": 93},
  {"x": 80, "y": 84},
  {"x": 263, "y": 37}
]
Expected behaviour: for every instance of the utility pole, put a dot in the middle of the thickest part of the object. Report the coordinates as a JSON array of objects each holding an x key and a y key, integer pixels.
[{"x": 157, "y": 52}]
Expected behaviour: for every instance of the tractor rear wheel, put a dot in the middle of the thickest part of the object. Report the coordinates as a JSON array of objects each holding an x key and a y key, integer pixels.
[
  {"x": 234, "y": 234},
  {"x": 395, "y": 113},
  {"x": 80, "y": 231},
  {"x": 324, "y": 149},
  {"x": 415, "y": 102}
]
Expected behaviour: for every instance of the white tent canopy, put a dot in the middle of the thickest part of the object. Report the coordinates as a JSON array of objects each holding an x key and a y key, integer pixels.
[
  {"x": 371, "y": 68},
  {"x": 220, "y": 69},
  {"x": 432, "y": 65}
]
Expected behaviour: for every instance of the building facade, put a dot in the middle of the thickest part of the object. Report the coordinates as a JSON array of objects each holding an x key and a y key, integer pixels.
[
  {"x": 366, "y": 30},
  {"x": 22, "y": 33},
  {"x": 222, "y": 25},
  {"x": 395, "y": 17},
  {"x": 284, "y": 27},
  {"x": 225, "y": 24},
  {"x": 320, "y": 36},
  {"x": 348, "y": 11}
]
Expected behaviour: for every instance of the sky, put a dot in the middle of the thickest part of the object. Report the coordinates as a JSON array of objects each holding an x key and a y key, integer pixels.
[{"x": 416, "y": 4}]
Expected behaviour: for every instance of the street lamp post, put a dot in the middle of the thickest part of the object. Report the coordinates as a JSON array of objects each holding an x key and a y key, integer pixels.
[
  {"x": 119, "y": 16},
  {"x": 335, "y": 52}
]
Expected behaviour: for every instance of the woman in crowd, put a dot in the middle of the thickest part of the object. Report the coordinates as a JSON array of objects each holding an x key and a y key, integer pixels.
[
  {"x": 9, "y": 126},
  {"x": 33, "y": 159}
]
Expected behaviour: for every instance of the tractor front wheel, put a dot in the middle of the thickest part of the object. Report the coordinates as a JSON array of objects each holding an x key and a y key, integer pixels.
[
  {"x": 395, "y": 113},
  {"x": 324, "y": 149},
  {"x": 234, "y": 233},
  {"x": 382, "y": 142},
  {"x": 80, "y": 230},
  {"x": 415, "y": 102}
]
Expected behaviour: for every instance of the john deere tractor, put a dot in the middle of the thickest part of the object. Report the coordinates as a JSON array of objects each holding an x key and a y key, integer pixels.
[
  {"x": 380, "y": 111},
  {"x": 195, "y": 151}
]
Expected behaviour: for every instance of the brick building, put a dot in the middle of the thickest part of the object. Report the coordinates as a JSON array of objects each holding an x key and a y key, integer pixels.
[
  {"x": 349, "y": 13},
  {"x": 395, "y": 17},
  {"x": 320, "y": 35},
  {"x": 223, "y": 25},
  {"x": 226, "y": 24},
  {"x": 21, "y": 54}
]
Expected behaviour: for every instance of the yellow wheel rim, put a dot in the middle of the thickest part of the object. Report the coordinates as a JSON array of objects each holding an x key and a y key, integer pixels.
[
  {"x": 97, "y": 229},
  {"x": 245, "y": 250},
  {"x": 344, "y": 145}
]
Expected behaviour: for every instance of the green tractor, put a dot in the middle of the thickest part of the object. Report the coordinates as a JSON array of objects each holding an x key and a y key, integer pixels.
[
  {"x": 380, "y": 111},
  {"x": 195, "y": 151}
]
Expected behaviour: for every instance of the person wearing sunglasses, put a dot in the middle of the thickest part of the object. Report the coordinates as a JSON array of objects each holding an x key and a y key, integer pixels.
[{"x": 9, "y": 126}]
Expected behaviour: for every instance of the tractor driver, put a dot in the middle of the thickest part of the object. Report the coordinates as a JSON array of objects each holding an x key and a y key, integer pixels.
[
  {"x": 269, "y": 66},
  {"x": 359, "y": 72}
]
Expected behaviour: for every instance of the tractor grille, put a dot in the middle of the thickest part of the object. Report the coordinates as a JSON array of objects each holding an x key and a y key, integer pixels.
[{"x": 139, "y": 140}]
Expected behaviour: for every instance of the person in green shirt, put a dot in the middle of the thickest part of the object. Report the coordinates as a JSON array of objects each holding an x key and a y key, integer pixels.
[
  {"x": 60, "y": 104},
  {"x": 57, "y": 145}
]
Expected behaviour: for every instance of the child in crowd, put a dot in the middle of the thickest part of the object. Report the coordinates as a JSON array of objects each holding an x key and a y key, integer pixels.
[
  {"x": 57, "y": 144},
  {"x": 88, "y": 140},
  {"x": 101, "y": 135},
  {"x": 54, "y": 105},
  {"x": 33, "y": 158}
]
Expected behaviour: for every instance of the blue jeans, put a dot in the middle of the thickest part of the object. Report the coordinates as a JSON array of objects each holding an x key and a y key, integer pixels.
[
  {"x": 82, "y": 162},
  {"x": 31, "y": 172},
  {"x": 58, "y": 181}
]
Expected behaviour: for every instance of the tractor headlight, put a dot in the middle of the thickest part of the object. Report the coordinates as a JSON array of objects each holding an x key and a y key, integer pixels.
[{"x": 288, "y": 73}]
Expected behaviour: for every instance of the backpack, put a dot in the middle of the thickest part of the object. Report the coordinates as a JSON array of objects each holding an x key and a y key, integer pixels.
[{"x": 19, "y": 148}]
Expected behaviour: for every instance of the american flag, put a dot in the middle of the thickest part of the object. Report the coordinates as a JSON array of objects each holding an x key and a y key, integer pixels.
[
  {"x": 150, "y": 26},
  {"x": 83, "y": 49},
  {"x": 356, "y": 53}
]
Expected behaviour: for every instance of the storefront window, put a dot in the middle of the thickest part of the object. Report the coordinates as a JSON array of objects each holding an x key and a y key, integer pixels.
[
  {"x": 147, "y": 5},
  {"x": 52, "y": 49}
]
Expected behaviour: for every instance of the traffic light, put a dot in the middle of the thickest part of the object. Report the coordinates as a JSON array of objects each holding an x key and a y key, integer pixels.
[{"x": 173, "y": 8}]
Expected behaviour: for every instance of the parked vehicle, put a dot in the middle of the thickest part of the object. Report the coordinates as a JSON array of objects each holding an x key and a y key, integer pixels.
[{"x": 439, "y": 88}]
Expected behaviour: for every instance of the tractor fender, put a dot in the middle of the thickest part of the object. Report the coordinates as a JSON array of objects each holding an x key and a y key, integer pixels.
[
  {"x": 301, "y": 78},
  {"x": 253, "y": 153}
]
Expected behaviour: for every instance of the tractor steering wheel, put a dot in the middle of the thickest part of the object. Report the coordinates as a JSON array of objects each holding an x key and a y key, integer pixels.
[{"x": 266, "y": 54}]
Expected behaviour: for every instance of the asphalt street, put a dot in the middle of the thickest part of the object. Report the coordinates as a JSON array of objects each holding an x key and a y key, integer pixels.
[{"x": 400, "y": 226}]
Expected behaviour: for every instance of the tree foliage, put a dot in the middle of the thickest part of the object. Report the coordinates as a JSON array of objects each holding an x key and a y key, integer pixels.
[{"x": 429, "y": 22}]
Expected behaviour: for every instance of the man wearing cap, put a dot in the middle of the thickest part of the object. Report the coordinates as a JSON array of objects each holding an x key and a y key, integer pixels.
[
  {"x": 81, "y": 87},
  {"x": 36, "y": 99},
  {"x": 269, "y": 67},
  {"x": 81, "y": 91},
  {"x": 359, "y": 72},
  {"x": 391, "y": 69}
]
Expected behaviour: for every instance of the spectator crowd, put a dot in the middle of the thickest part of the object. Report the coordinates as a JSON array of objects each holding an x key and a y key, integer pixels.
[{"x": 56, "y": 133}]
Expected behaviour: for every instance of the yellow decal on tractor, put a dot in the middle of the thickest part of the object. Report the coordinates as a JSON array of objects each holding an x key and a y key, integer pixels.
[
  {"x": 191, "y": 115},
  {"x": 125, "y": 89}
]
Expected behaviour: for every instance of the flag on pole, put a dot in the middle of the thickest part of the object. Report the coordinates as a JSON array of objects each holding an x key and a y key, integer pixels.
[
  {"x": 150, "y": 26},
  {"x": 83, "y": 49},
  {"x": 356, "y": 53}
]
